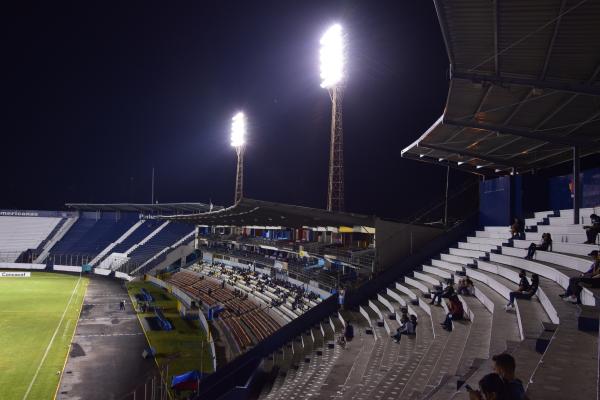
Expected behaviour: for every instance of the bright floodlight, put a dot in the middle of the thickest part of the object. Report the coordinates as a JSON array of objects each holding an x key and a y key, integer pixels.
[
  {"x": 238, "y": 130},
  {"x": 332, "y": 57}
]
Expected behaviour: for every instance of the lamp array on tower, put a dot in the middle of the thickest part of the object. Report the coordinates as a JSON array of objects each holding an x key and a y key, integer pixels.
[
  {"x": 332, "y": 58},
  {"x": 238, "y": 140}
]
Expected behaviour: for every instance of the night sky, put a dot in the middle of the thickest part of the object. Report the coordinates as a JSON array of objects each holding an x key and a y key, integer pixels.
[{"x": 94, "y": 96}]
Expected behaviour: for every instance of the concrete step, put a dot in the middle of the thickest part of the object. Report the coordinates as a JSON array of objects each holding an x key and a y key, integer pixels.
[
  {"x": 457, "y": 259},
  {"x": 487, "y": 240},
  {"x": 477, "y": 246},
  {"x": 494, "y": 235},
  {"x": 440, "y": 272},
  {"x": 467, "y": 253},
  {"x": 447, "y": 265}
]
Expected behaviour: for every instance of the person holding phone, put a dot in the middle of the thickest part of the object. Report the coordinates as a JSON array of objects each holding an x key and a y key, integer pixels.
[
  {"x": 491, "y": 387},
  {"x": 505, "y": 365}
]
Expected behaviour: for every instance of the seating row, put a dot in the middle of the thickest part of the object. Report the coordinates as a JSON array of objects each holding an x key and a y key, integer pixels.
[{"x": 542, "y": 334}]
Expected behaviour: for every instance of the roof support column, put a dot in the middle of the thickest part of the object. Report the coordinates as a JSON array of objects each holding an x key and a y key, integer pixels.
[{"x": 576, "y": 185}]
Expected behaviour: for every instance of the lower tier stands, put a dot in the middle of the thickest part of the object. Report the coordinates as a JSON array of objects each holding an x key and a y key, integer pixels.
[
  {"x": 552, "y": 340},
  {"x": 246, "y": 321}
]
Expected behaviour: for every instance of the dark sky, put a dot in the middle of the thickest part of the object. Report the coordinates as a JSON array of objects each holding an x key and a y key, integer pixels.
[{"x": 94, "y": 96}]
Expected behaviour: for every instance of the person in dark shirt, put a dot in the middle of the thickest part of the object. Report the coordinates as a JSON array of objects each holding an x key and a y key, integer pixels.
[
  {"x": 491, "y": 387},
  {"x": 455, "y": 312},
  {"x": 592, "y": 277},
  {"x": 592, "y": 230},
  {"x": 516, "y": 229},
  {"x": 349, "y": 332},
  {"x": 504, "y": 365},
  {"x": 527, "y": 293},
  {"x": 442, "y": 293},
  {"x": 545, "y": 245}
]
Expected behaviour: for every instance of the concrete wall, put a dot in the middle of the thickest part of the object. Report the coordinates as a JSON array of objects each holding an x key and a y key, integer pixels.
[{"x": 395, "y": 241}]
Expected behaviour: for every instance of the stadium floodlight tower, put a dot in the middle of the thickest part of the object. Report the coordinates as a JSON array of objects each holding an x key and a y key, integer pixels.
[
  {"x": 238, "y": 141},
  {"x": 332, "y": 78}
]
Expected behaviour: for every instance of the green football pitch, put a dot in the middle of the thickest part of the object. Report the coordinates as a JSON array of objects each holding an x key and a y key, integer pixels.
[{"x": 38, "y": 316}]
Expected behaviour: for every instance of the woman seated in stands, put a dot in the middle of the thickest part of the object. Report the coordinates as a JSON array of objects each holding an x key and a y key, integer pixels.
[
  {"x": 455, "y": 312},
  {"x": 407, "y": 327},
  {"x": 591, "y": 277},
  {"x": 527, "y": 293},
  {"x": 545, "y": 245},
  {"x": 445, "y": 293},
  {"x": 465, "y": 286},
  {"x": 516, "y": 230},
  {"x": 592, "y": 230}
]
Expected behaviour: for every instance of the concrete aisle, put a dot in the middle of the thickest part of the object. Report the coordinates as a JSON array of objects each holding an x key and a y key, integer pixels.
[{"x": 105, "y": 361}]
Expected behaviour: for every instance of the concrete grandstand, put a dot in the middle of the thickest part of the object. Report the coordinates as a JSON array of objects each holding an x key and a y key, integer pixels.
[{"x": 295, "y": 302}]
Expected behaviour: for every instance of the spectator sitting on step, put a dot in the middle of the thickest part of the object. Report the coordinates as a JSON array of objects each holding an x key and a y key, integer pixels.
[
  {"x": 442, "y": 293},
  {"x": 455, "y": 312},
  {"x": 516, "y": 229},
  {"x": 523, "y": 281},
  {"x": 592, "y": 230},
  {"x": 349, "y": 332},
  {"x": 408, "y": 327},
  {"x": 545, "y": 245},
  {"x": 465, "y": 286},
  {"x": 491, "y": 387},
  {"x": 504, "y": 365},
  {"x": 524, "y": 294},
  {"x": 591, "y": 276}
]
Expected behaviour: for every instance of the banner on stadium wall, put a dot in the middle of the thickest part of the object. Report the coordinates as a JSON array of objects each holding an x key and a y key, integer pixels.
[
  {"x": 37, "y": 213},
  {"x": 15, "y": 274}
]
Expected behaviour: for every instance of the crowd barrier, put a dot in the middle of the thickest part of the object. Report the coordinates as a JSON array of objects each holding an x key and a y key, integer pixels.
[
  {"x": 102, "y": 271},
  {"x": 10, "y": 265},
  {"x": 62, "y": 268}
]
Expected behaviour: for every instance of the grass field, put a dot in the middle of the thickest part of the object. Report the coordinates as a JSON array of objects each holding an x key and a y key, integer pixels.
[
  {"x": 182, "y": 347},
  {"x": 38, "y": 316}
]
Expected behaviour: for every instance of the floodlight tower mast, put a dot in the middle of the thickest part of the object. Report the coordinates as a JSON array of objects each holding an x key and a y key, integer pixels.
[
  {"x": 332, "y": 75},
  {"x": 238, "y": 141}
]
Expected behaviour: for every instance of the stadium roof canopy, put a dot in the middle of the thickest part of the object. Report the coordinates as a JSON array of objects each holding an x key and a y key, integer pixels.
[
  {"x": 524, "y": 85},
  {"x": 248, "y": 212},
  {"x": 170, "y": 208}
]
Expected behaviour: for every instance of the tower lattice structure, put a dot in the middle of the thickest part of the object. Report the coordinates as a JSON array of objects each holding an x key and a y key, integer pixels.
[{"x": 335, "y": 192}]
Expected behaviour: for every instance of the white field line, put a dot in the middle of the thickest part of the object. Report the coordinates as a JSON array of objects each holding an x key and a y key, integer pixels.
[{"x": 37, "y": 371}]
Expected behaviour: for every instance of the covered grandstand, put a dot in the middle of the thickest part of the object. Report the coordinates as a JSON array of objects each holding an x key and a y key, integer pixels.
[{"x": 277, "y": 286}]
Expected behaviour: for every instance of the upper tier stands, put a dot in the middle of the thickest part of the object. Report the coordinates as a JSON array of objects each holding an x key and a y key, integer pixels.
[
  {"x": 93, "y": 237},
  {"x": 137, "y": 236},
  {"x": 89, "y": 235},
  {"x": 555, "y": 358},
  {"x": 167, "y": 236},
  {"x": 18, "y": 234}
]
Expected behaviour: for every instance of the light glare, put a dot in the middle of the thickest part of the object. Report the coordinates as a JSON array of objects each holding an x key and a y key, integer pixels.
[
  {"x": 332, "y": 57},
  {"x": 238, "y": 130}
]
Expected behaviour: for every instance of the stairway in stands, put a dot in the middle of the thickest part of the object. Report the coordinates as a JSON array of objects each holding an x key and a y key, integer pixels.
[{"x": 554, "y": 357}]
